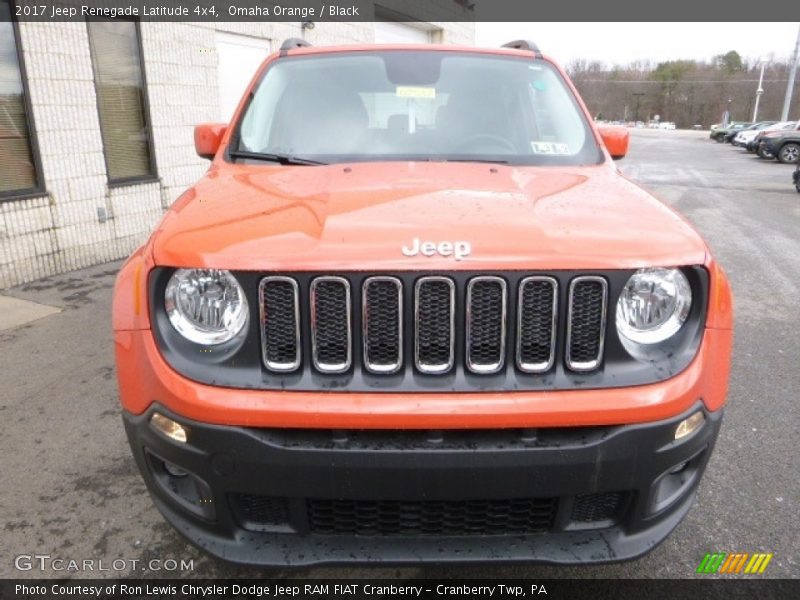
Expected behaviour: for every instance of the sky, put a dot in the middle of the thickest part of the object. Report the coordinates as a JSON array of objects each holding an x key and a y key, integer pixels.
[{"x": 621, "y": 43}]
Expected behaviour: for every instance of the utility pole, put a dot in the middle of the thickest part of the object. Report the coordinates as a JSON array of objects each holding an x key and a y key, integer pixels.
[
  {"x": 790, "y": 86},
  {"x": 759, "y": 91}
]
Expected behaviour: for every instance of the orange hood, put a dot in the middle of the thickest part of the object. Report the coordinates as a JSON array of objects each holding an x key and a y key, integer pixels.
[{"x": 359, "y": 216}]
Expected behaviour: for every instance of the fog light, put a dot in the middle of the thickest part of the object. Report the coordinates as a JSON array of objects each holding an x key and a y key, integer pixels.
[
  {"x": 689, "y": 425},
  {"x": 174, "y": 469},
  {"x": 170, "y": 428}
]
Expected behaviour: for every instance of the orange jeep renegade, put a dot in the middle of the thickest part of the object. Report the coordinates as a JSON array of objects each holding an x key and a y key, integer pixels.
[{"x": 413, "y": 312}]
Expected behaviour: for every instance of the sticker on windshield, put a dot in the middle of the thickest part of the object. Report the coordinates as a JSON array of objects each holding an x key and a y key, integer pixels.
[
  {"x": 409, "y": 91},
  {"x": 550, "y": 148}
]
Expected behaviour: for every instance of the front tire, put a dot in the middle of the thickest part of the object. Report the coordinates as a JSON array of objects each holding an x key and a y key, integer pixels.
[
  {"x": 789, "y": 153},
  {"x": 764, "y": 153}
]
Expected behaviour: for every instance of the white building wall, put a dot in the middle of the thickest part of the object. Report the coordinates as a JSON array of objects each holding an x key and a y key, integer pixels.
[{"x": 64, "y": 230}]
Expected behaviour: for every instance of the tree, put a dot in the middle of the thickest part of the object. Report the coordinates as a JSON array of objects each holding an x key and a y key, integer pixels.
[{"x": 730, "y": 62}]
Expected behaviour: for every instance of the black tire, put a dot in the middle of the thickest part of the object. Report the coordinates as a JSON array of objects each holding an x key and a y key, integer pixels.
[
  {"x": 789, "y": 153},
  {"x": 719, "y": 138},
  {"x": 764, "y": 153}
]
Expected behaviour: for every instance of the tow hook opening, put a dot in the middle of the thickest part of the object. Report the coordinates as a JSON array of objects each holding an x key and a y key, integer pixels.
[
  {"x": 675, "y": 481},
  {"x": 189, "y": 491}
]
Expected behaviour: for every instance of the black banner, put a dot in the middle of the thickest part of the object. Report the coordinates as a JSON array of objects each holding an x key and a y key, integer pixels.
[
  {"x": 401, "y": 10},
  {"x": 422, "y": 589}
]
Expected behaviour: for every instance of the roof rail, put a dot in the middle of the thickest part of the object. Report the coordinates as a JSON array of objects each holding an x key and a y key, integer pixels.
[
  {"x": 292, "y": 43},
  {"x": 524, "y": 45}
]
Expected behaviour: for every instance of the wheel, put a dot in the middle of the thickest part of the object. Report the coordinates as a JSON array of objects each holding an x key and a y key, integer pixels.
[
  {"x": 789, "y": 153},
  {"x": 720, "y": 138},
  {"x": 764, "y": 153}
]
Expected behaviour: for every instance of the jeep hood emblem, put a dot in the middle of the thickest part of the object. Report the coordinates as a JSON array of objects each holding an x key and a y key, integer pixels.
[{"x": 458, "y": 250}]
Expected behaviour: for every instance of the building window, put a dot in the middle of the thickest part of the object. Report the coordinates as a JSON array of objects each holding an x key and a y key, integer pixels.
[
  {"x": 122, "y": 100},
  {"x": 19, "y": 158}
]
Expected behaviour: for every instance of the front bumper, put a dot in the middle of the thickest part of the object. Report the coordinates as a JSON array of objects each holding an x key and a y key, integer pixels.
[{"x": 273, "y": 496}]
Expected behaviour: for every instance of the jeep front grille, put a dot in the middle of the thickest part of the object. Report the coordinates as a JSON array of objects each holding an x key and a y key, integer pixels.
[{"x": 432, "y": 325}]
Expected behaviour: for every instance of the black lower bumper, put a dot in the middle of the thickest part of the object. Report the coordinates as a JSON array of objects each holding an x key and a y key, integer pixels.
[{"x": 300, "y": 497}]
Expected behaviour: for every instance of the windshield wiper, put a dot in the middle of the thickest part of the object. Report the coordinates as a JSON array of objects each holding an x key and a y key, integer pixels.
[
  {"x": 477, "y": 160},
  {"x": 465, "y": 160},
  {"x": 283, "y": 159}
]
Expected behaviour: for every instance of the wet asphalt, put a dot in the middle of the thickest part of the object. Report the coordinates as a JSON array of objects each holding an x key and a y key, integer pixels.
[{"x": 71, "y": 489}]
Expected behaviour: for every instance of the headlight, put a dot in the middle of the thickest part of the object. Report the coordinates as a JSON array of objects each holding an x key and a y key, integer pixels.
[
  {"x": 653, "y": 305},
  {"x": 206, "y": 306}
]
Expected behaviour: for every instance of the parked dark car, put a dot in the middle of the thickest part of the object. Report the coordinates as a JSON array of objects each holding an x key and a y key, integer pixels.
[
  {"x": 752, "y": 145},
  {"x": 718, "y": 134},
  {"x": 783, "y": 145}
]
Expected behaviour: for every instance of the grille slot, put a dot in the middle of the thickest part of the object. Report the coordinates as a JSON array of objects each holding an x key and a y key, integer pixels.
[
  {"x": 431, "y": 517},
  {"x": 486, "y": 324},
  {"x": 586, "y": 322},
  {"x": 331, "y": 324},
  {"x": 383, "y": 324},
  {"x": 257, "y": 513},
  {"x": 280, "y": 323},
  {"x": 591, "y": 508},
  {"x": 537, "y": 313},
  {"x": 434, "y": 334}
]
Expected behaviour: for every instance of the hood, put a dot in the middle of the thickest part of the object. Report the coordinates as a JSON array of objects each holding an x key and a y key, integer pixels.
[{"x": 360, "y": 216}]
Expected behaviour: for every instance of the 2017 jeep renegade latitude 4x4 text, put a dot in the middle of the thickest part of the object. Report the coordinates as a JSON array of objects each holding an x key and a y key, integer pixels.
[{"x": 413, "y": 312}]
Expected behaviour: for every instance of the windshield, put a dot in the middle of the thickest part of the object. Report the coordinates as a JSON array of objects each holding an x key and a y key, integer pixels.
[{"x": 416, "y": 105}]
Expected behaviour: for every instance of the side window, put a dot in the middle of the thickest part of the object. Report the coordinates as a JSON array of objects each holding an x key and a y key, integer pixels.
[
  {"x": 122, "y": 100},
  {"x": 19, "y": 160}
]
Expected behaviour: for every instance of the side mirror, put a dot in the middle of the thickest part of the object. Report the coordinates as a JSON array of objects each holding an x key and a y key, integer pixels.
[
  {"x": 615, "y": 140},
  {"x": 207, "y": 138}
]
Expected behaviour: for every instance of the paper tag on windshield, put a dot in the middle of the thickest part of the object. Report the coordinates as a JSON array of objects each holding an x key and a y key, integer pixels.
[
  {"x": 408, "y": 91},
  {"x": 550, "y": 148}
]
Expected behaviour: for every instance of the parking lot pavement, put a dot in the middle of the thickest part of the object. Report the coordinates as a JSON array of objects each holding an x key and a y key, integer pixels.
[{"x": 71, "y": 489}]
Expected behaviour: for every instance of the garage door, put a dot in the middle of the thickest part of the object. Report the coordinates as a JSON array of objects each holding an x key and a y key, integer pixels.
[
  {"x": 239, "y": 58},
  {"x": 389, "y": 32}
]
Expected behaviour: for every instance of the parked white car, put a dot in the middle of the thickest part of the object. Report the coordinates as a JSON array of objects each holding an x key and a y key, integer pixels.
[{"x": 743, "y": 138}]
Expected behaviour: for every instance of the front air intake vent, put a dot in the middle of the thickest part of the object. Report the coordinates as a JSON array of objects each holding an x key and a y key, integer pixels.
[
  {"x": 434, "y": 331},
  {"x": 383, "y": 324},
  {"x": 486, "y": 324},
  {"x": 586, "y": 322},
  {"x": 331, "y": 329},
  {"x": 280, "y": 323},
  {"x": 536, "y": 331}
]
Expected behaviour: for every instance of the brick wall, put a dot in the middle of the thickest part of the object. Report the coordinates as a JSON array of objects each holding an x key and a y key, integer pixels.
[{"x": 62, "y": 230}]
